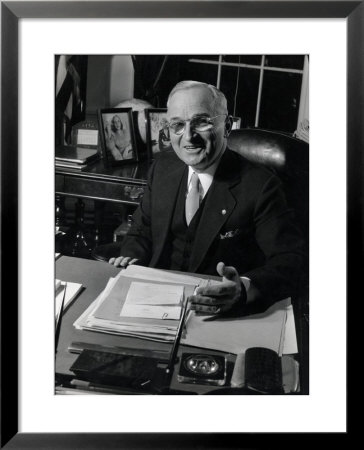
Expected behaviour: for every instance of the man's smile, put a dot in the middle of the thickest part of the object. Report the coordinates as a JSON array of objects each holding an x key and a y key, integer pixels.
[{"x": 193, "y": 148}]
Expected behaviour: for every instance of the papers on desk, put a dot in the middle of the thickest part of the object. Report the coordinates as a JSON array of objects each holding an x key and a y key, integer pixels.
[
  {"x": 140, "y": 302},
  {"x": 146, "y": 303},
  {"x": 71, "y": 293},
  {"x": 153, "y": 301},
  {"x": 235, "y": 335}
]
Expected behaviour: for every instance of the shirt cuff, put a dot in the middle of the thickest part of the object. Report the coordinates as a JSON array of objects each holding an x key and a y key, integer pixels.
[{"x": 246, "y": 282}]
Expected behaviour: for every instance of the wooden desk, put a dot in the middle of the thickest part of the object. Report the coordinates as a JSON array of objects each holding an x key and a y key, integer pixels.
[
  {"x": 94, "y": 275},
  {"x": 122, "y": 184}
]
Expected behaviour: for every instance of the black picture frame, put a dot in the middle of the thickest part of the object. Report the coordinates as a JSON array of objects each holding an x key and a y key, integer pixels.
[
  {"x": 118, "y": 146},
  {"x": 11, "y": 13},
  {"x": 157, "y": 141}
]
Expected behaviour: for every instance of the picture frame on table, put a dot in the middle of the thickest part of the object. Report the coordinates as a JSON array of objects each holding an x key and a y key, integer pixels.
[
  {"x": 117, "y": 133},
  {"x": 11, "y": 13},
  {"x": 236, "y": 123},
  {"x": 158, "y": 137}
]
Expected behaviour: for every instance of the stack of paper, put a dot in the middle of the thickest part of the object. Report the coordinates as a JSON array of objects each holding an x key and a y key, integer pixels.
[
  {"x": 68, "y": 291},
  {"x": 235, "y": 335},
  {"x": 146, "y": 303},
  {"x": 140, "y": 302}
]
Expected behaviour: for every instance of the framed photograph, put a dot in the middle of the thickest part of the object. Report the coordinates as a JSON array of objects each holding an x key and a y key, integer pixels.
[
  {"x": 117, "y": 136},
  {"x": 158, "y": 138},
  {"x": 236, "y": 123},
  {"x": 56, "y": 424}
]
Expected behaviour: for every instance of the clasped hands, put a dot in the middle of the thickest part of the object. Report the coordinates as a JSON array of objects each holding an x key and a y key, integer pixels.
[{"x": 211, "y": 299}]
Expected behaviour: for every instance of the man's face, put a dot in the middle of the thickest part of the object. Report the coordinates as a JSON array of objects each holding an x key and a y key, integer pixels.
[{"x": 196, "y": 149}]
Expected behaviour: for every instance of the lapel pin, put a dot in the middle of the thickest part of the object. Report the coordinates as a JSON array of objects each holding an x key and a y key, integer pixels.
[{"x": 223, "y": 212}]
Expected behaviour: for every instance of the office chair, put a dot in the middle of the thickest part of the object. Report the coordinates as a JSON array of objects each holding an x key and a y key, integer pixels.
[
  {"x": 285, "y": 156},
  {"x": 288, "y": 158}
]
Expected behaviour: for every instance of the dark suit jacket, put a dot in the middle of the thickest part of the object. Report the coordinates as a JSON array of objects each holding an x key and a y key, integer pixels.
[{"x": 245, "y": 223}]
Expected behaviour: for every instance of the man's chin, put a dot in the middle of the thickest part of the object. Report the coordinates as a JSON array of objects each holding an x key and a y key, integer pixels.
[{"x": 194, "y": 160}]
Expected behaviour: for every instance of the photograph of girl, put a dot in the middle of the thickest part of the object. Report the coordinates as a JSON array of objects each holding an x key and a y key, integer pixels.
[{"x": 117, "y": 137}]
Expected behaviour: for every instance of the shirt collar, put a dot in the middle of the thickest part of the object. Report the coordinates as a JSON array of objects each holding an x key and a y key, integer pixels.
[{"x": 206, "y": 177}]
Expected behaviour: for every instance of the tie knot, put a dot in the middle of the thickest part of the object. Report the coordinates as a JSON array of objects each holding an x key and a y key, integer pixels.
[{"x": 194, "y": 180}]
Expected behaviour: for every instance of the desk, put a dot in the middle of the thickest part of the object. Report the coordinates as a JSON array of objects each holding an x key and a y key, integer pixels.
[
  {"x": 121, "y": 185},
  {"x": 115, "y": 184},
  {"x": 94, "y": 275}
]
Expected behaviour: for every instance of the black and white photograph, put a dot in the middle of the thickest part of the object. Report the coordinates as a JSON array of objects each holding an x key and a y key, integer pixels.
[
  {"x": 158, "y": 137},
  {"x": 189, "y": 222},
  {"x": 204, "y": 273},
  {"x": 117, "y": 135}
]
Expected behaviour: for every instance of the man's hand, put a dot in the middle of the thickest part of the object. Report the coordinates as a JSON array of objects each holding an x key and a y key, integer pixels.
[
  {"x": 122, "y": 261},
  {"x": 220, "y": 298}
]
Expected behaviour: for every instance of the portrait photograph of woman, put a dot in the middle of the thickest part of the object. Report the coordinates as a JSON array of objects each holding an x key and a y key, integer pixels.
[{"x": 117, "y": 135}]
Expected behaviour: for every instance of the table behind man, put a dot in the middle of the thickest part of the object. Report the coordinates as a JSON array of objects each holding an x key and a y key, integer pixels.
[{"x": 239, "y": 227}]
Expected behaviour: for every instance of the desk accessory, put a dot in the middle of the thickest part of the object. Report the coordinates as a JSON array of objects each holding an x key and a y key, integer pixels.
[
  {"x": 106, "y": 315},
  {"x": 170, "y": 367},
  {"x": 75, "y": 154},
  {"x": 158, "y": 139},
  {"x": 263, "y": 371},
  {"x": 117, "y": 134},
  {"x": 117, "y": 370},
  {"x": 59, "y": 318},
  {"x": 202, "y": 369},
  {"x": 63, "y": 298},
  {"x": 79, "y": 347}
]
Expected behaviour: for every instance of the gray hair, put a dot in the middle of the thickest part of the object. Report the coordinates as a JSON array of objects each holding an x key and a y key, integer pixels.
[{"x": 219, "y": 99}]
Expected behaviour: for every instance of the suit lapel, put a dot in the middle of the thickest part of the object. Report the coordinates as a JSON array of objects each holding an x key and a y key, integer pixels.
[
  {"x": 219, "y": 204},
  {"x": 167, "y": 190}
]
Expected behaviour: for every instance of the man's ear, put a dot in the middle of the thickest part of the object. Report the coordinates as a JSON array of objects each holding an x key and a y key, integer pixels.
[{"x": 228, "y": 125}]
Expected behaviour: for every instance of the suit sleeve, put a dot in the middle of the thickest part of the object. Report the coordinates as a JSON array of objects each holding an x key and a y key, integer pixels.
[
  {"x": 138, "y": 242},
  {"x": 281, "y": 242}
]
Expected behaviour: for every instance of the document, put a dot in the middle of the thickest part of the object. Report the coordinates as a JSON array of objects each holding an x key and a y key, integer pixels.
[
  {"x": 141, "y": 302},
  {"x": 153, "y": 301},
  {"x": 146, "y": 303},
  {"x": 154, "y": 294},
  {"x": 72, "y": 291},
  {"x": 235, "y": 335},
  {"x": 152, "y": 312}
]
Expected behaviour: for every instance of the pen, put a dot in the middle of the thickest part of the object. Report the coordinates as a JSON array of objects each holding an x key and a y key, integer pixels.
[
  {"x": 59, "y": 322},
  {"x": 169, "y": 369}
]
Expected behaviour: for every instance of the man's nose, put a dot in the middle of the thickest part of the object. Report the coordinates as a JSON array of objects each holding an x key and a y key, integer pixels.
[{"x": 189, "y": 132}]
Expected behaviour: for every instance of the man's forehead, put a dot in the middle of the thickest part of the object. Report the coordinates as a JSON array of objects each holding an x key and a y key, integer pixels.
[{"x": 197, "y": 98}]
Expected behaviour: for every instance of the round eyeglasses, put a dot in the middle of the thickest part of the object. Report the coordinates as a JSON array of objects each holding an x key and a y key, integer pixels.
[{"x": 200, "y": 124}]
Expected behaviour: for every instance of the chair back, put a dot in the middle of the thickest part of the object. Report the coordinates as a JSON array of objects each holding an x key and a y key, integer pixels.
[{"x": 285, "y": 156}]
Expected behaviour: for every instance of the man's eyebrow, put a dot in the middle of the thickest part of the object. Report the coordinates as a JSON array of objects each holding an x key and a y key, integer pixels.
[{"x": 193, "y": 117}]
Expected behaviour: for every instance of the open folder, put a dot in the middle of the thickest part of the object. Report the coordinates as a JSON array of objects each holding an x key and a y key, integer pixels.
[{"x": 146, "y": 303}]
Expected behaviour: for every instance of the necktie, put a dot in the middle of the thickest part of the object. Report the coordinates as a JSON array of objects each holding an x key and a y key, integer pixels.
[{"x": 193, "y": 198}]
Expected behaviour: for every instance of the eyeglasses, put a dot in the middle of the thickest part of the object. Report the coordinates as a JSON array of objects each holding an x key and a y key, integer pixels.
[{"x": 200, "y": 124}]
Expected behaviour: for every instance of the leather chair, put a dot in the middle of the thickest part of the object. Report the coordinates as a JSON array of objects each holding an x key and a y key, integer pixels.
[
  {"x": 285, "y": 156},
  {"x": 288, "y": 158}
]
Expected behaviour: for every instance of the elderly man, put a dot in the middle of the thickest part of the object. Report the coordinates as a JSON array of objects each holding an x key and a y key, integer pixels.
[{"x": 208, "y": 210}]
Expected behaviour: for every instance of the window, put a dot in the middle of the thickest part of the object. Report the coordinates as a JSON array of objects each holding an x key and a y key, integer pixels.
[{"x": 264, "y": 90}]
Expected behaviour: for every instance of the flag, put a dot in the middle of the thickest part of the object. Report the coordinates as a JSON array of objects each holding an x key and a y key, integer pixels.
[{"x": 71, "y": 72}]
